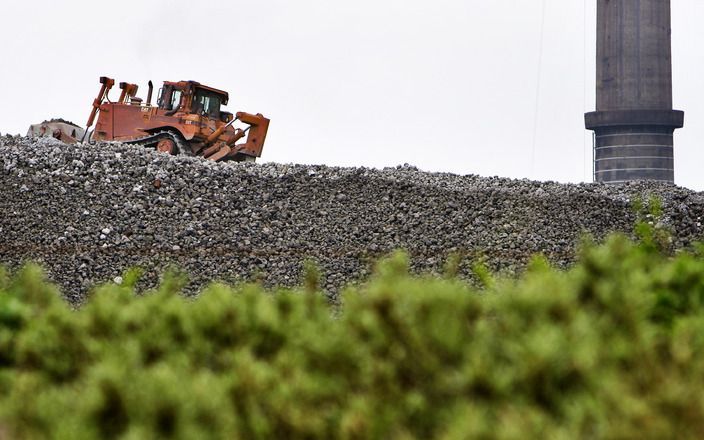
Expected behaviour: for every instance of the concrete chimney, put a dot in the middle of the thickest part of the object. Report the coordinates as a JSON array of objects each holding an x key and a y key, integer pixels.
[{"x": 634, "y": 120}]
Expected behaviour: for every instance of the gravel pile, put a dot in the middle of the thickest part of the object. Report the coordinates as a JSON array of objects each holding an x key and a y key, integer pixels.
[{"x": 89, "y": 212}]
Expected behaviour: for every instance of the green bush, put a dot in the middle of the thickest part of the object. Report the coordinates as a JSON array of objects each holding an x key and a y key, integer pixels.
[{"x": 612, "y": 348}]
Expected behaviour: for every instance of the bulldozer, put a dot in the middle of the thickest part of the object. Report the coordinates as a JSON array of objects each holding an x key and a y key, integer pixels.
[{"x": 187, "y": 119}]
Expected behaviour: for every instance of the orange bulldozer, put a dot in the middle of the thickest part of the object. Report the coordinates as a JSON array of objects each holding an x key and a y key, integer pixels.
[{"x": 187, "y": 119}]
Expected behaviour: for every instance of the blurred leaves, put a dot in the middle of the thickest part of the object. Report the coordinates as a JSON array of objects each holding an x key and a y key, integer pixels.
[{"x": 612, "y": 348}]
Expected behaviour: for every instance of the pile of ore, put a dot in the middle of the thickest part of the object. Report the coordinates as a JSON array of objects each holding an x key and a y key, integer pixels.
[{"x": 87, "y": 213}]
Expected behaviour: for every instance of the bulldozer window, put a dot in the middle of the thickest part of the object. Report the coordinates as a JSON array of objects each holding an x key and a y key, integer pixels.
[
  {"x": 159, "y": 97},
  {"x": 175, "y": 99},
  {"x": 164, "y": 99},
  {"x": 207, "y": 104}
]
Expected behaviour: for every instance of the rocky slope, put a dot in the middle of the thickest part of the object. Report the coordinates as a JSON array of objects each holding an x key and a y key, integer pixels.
[{"x": 89, "y": 212}]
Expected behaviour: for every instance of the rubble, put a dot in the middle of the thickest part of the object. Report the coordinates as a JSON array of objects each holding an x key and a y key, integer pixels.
[{"x": 88, "y": 213}]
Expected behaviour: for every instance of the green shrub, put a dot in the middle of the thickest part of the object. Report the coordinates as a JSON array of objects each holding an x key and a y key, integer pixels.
[{"x": 612, "y": 348}]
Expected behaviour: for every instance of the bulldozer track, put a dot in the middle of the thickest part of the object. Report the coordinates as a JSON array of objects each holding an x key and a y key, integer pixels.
[{"x": 151, "y": 141}]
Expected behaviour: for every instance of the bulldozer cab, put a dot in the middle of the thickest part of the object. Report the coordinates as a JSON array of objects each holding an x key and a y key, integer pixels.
[
  {"x": 207, "y": 103},
  {"x": 193, "y": 97}
]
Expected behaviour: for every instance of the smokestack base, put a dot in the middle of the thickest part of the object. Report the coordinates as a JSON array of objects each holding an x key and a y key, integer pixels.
[{"x": 634, "y": 144}]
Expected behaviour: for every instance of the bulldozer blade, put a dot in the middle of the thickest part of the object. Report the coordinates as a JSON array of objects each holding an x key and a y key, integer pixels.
[
  {"x": 196, "y": 148},
  {"x": 211, "y": 150},
  {"x": 218, "y": 154}
]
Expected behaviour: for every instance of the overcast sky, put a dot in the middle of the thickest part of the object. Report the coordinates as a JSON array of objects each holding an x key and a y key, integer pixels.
[{"x": 463, "y": 86}]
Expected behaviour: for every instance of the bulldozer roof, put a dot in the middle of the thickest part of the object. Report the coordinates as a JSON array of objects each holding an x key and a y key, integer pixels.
[{"x": 195, "y": 84}]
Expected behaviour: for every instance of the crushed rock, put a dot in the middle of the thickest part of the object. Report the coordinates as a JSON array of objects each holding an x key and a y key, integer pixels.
[{"x": 87, "y": 213}]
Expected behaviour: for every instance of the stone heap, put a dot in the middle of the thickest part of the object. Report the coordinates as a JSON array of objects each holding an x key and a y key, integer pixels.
[{"x": 87, "y": 213}]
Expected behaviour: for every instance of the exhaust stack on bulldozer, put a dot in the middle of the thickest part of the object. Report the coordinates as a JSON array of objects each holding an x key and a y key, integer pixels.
[{"x": 187, "y": 119}]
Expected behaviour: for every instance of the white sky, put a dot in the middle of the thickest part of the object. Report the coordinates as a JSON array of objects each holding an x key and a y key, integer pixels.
[{"x": 446, "y": 85}]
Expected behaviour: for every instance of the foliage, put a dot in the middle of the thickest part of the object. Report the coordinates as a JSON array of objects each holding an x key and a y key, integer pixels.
[
  {"x": 613, "y": 348},
  {"x": 649, "y": 229}
]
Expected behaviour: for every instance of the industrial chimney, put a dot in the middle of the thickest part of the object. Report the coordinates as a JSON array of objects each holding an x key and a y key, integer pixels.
[{"x": 634, "y": 120}]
